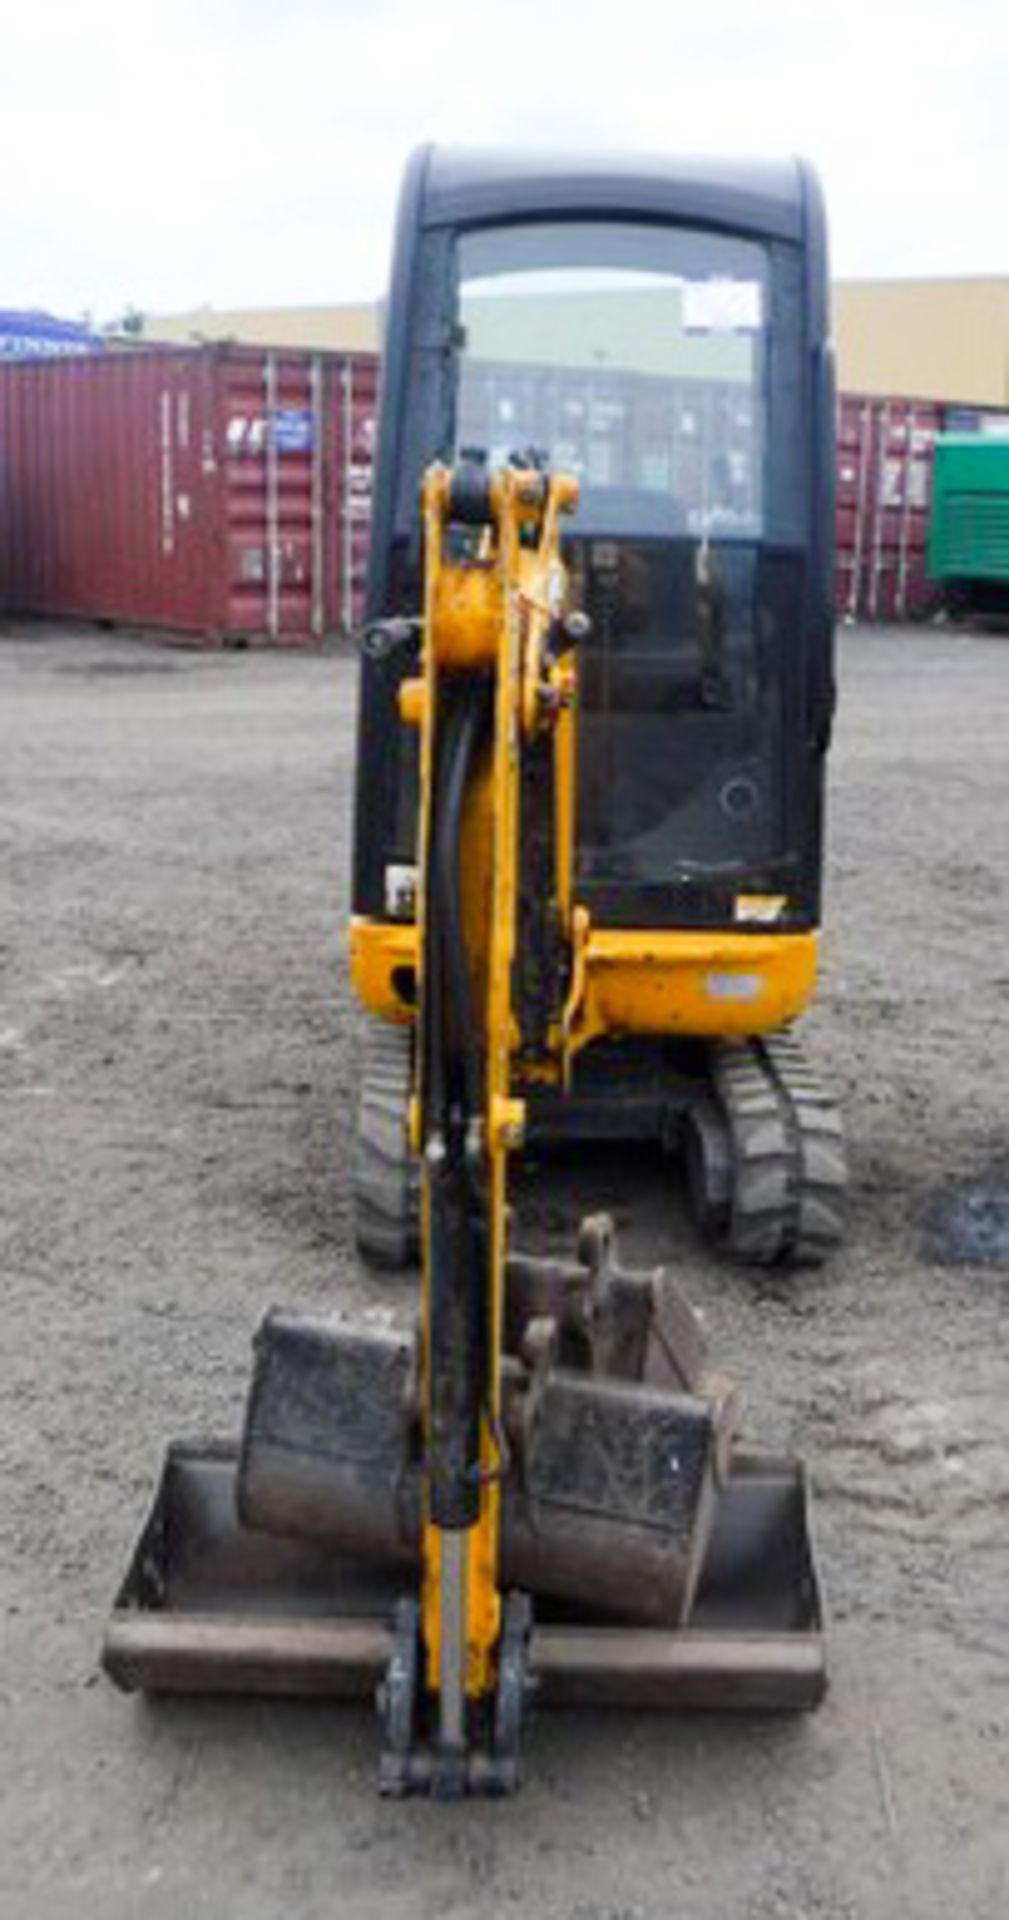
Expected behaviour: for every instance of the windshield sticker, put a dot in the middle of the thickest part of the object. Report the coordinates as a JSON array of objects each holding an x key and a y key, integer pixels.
[{"x": 722, "y": 306}]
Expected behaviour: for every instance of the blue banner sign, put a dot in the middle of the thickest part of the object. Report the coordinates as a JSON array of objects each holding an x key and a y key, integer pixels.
[{"x": 35, "y": 336}]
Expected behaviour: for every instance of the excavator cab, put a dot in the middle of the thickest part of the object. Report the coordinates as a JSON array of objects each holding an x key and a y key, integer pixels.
[{"x": 659, "y": 330}]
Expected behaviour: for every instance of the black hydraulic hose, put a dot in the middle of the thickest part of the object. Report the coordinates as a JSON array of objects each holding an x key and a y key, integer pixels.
[
  {"x": 462, "y": 1049},
  {"x": 435, "y": 1032},
  {"x": 458, "y": 1241}
]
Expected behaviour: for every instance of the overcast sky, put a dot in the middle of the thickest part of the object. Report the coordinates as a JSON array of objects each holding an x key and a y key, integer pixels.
[{"x": 247, "y": 152}]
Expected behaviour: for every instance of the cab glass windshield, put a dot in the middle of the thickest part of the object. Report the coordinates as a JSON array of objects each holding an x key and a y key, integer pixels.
[{"x": 632, "y": 356}]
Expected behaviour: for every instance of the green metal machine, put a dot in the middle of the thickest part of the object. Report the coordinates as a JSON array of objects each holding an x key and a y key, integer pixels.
[{"x": 968, "y": 541}]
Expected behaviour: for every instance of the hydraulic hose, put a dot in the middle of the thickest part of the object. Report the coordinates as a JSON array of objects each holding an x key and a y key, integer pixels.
[{"x": 457, "y": 1235}]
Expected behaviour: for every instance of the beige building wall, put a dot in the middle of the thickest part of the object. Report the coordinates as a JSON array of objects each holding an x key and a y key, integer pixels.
[
  {"x": 927, "y": 339},
  {"x": 344, "y": 329}
]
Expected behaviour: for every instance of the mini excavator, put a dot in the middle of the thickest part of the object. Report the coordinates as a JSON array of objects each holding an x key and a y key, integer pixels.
[
  {"x": 596, "y": 698},
  {"x": 660, "y": 332}
]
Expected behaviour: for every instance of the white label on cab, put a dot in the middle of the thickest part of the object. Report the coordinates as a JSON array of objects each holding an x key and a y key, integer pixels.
[{"x": 722, "y": 306}]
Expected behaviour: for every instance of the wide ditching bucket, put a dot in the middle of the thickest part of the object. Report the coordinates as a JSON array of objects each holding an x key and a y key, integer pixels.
[{"x": 209, "y": 1605}]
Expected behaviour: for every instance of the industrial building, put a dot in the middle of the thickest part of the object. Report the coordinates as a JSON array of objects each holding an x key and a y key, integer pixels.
[
  {"x": 340, "y": 329},
  {"x": 941, "y": 339},
  {"x": 937, "y": 339}
]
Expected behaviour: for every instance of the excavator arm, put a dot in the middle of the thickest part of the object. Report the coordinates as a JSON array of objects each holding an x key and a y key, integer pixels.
[{"x": 493, "y": 680}]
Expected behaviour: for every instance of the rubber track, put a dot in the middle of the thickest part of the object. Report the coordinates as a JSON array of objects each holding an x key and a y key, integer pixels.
[
  {"x": 386, "y": 1181},
  {"x": 789, "y": 1165}
]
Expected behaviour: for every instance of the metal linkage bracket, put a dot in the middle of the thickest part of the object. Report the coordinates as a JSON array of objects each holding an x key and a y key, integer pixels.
[
  {"x": 605, "y": 1319},
  {"x": 413, "y": 1761}
]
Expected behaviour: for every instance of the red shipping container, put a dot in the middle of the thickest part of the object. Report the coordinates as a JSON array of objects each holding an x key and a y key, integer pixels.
[
  {"x": 225, "y": 492},
  {"x": 219, "y": 492},
  {"x": 884, "y": 493}
]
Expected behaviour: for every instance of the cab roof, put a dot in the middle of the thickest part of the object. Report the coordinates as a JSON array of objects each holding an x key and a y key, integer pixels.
[{"x": 464, "y": 185}]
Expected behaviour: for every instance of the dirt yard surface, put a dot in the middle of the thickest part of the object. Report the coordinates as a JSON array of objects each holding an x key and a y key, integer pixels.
[{"x": 177, "y": 1073}]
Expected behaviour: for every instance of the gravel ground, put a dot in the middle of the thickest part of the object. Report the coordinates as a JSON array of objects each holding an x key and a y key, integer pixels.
[{"x": 177, "y": 1062}]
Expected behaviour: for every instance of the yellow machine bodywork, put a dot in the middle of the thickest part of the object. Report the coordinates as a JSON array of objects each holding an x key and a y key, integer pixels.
[
  {"x": 624, "y": 981},
  {"x": 632, "y": 981}
]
